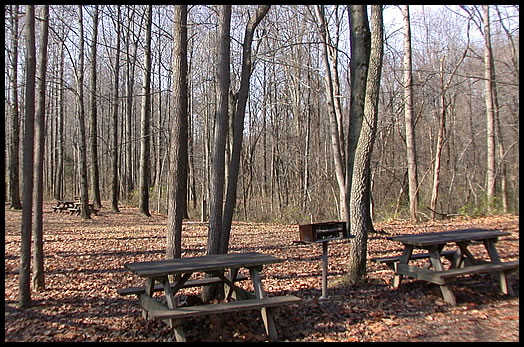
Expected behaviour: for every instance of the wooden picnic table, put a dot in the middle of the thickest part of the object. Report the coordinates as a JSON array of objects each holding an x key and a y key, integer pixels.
[
  {"x": 462, "y": 260},
  {"x": 62, "y": 205},
  {"x": 216, "y": 265}
]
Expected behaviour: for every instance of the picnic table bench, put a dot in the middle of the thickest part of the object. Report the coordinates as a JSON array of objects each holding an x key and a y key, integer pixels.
[
  {"x": 462, "y": 260},
  {"x": 216, "y": 265}
]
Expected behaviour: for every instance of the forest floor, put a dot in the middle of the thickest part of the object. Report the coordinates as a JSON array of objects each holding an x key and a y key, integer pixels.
[{"x": 84, "y": 267}]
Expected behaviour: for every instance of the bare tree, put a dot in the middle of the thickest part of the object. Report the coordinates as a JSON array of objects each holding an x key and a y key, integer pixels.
[
  {"x": 95, "y": 181},
  {"x": 114, "y": 167},
  {"x": 145, "y": 121},
  {"x": 24, "y": 288},
  {"x": 179, "y": 136},
  {"x": 39, "y": 147},
  {"x": 489, "y": 78},
  {"x": 84, "y": 193},
  {"x": 408, "y": 118},
  {"x": 361, "y": 223},
  {"x": 14, "y": 147},
  {"x": 238, "y": 126},
  {"x": 334, "y": 112},
  {"x": 221, "y": 118},
  {"x": 360, "y": 50}
]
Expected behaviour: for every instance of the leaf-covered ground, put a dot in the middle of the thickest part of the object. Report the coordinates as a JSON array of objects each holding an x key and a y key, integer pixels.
[{"x": 84, "y": 267}]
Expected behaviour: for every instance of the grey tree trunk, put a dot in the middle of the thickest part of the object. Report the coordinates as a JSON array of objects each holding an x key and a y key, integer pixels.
[
  {"x": 411, "y": 151},
  {"x": 95, "y": 181},
  {"x": 179, "y": 136},
  {"x": 114, "y": 167},
  {"x": 14, "y": 147},
  {"x": 238, "y": 124},
  {"x": 24, "y": 287},
  {"x": 361, "y": 223},
  {"x": 145, "y": 122},
  {"x": 218, "y": 166},
  {"x": 84, "y": 192},
  {"x": 39, "y": 147}
]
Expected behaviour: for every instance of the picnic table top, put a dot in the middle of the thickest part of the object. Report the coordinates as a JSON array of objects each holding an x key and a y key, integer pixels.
[
  {"x": 438, "y": 238},
  {"x": 207, "y": 263}
]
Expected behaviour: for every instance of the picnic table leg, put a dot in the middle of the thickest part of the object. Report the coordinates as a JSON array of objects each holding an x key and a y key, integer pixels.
[
  {"x": 406, "y": 254},
  {"x": 434, "y": 256},
  {"x": 505, "y": 287},
  {"x": 267, "y": 315}
]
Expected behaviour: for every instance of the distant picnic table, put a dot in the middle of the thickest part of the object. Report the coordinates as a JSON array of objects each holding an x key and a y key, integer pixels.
[
  {"x": 462, "y": 260},
  {"x": 74, "y": 207},
  {"x": 216, "y": 266}
]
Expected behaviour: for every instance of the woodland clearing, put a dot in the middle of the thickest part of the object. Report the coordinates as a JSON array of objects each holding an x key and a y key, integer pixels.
[{"x": 84, "y": 268}]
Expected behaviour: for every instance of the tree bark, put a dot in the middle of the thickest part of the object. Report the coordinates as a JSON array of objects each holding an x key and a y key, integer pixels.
[
  {"x": 24, "y": 288},
  {"x": 360, "y": 51},
  {"x": 114, "y": 167},
  {"x": 336, "y": 141},
  {"x": 14, "y": 148},
  {"x": 179, "y": 136},
  {"x": 411, "y": 151},
  {"x": 145, "y": 122},
  {"x": 490, "y": 113},
  {"x": 360, "y": 200},
  {"x": 95, "y": 180},
  {"x": 39, "y": 147},
  {"x": 84, "y": 192},
  {"x": 238, "y": 131},
  {"x": 218, "y": 166}
]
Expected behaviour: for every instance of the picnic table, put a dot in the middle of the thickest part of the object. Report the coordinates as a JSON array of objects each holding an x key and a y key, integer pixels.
[
  {"x": 216, "y": 265},
  {"x": 462, "y": 260},
  {"x": 77, "y": 208},
  {"x": 62, "y": 205}
]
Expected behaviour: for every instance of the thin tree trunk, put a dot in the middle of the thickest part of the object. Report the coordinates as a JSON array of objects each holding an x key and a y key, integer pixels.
[
  {"x": 14, "y": 148},
  {"x": 238, "y": 130},
  {"x": 490, "y": 113},
  {"x": 84, "y": 192},
  {"x": 39, "y": 146},
  {"x": 179, "y": 136},
  {"x": 336, "y": 142},
  {"x": 408, "y": 118},
  {"x": 218, "y": 167},
  {"x": 114, "y": 167},
  {"x": 95, "y": 184},
  {"x": 24, "y": 288},
  {"x": 145, "y": 119}
]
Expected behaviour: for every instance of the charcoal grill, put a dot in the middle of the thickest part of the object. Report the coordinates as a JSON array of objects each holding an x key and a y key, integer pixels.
[{"x": 323, "y": 233}]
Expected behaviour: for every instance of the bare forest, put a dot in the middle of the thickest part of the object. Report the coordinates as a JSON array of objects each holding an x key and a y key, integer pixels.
[
  {"x": 228, "y": 115},
  {"x": 287, "y": 171}
]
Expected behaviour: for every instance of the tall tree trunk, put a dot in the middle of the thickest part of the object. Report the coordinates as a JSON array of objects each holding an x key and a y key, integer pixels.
[
  {"x": 336, "y": 141},
  {"x": 361, "y": 223},
  {"x": 408, "y": 118},
  {"x": 218, "y": 167},
  {"x": 84, "y": 192},
  {"x": 360, "y": 51},
  {"x": 238, "y": 130},
  {"x": 14, "y": 147},
  {"x": 179, "y": 136},
  {"x": 24, "y": 288},
  {"x": 95, "y": 184},
  {"x": 114, "y": 167},
  {"x": 39, "y": 146},
  {"x": 489, "y": 78},
  {"x": 145, "y": 121}
]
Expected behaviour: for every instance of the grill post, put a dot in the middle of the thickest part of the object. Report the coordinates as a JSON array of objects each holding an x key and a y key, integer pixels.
[{"x": 324, "y": 269}]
